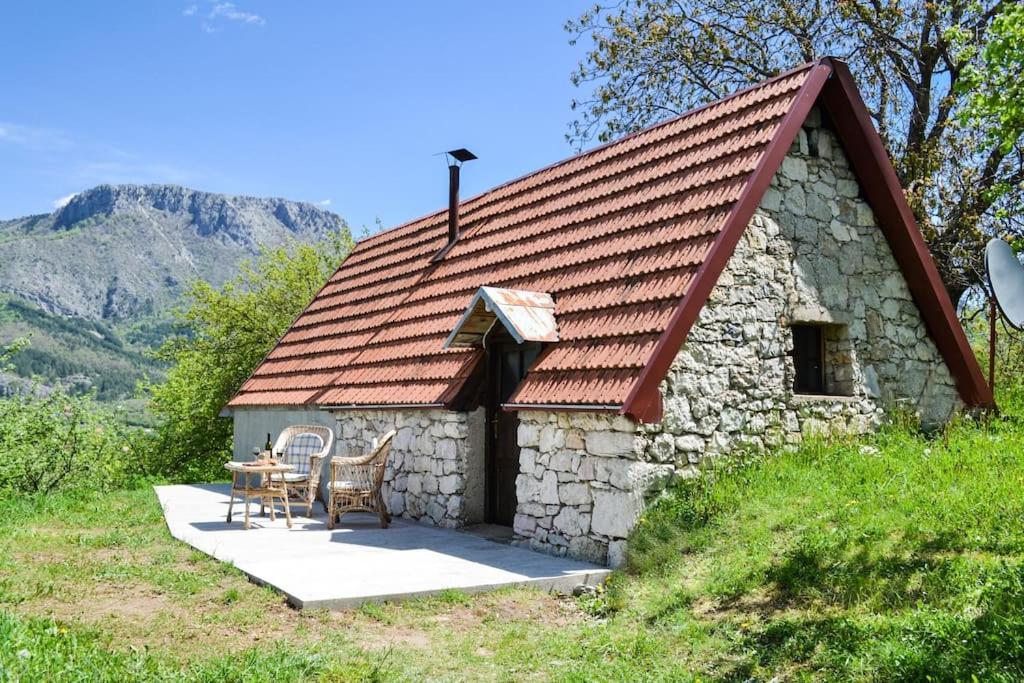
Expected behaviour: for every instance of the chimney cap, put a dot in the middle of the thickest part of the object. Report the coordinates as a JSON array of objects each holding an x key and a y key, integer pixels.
[{"x": 462, "y": 154}]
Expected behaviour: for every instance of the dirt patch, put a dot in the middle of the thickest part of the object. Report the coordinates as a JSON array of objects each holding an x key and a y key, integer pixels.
[
  {"x": 550, "y": 610},
  {"x": 757, "y": 606},
  {"x": 139, "y": 616},
  {"x": 418, "y": 629},
  {"x": 382, "y": 636}
]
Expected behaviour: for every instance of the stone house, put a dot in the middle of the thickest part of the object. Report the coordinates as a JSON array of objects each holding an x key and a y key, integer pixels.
[{"x": 746, "y": 273}]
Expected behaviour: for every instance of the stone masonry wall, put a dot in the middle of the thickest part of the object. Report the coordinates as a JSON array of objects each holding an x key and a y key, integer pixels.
[
  {"x": 813, "y": 253},
  {"x": 432, "y": 474},
  {"x": 582, "y": 483}
]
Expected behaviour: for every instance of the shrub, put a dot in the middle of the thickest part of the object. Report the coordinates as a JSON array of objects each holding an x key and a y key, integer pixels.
[
  {"x": 62, "y": 442},
  {"x": 228, "y": 331}
]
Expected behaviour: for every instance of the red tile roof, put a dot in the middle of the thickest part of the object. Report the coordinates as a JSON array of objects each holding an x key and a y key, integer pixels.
[{"x": 618, "y": 236}]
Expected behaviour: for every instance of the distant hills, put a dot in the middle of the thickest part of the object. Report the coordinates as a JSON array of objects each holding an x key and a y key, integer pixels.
[{"x": 94, "y": 281}]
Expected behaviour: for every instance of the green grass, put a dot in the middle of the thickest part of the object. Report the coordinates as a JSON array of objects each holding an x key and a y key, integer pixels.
[{"x": 895, "y": 558}]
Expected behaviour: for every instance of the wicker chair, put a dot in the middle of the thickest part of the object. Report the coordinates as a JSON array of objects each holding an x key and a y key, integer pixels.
[
  {"x": 304, "y": 447},
  {"x": 355, "y": 484}
]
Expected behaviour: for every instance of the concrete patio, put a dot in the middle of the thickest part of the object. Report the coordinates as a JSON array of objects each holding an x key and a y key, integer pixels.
[{"x": 357, "y": 561}]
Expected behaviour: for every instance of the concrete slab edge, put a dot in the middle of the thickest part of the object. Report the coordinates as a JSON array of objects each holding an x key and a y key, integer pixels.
[{"x": 552, "y": 584}]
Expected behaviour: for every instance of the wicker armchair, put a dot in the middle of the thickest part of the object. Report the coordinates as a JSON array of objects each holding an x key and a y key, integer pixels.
[
  {"x": 304, "y": 447},
  {"x": 355, "y": 484}
]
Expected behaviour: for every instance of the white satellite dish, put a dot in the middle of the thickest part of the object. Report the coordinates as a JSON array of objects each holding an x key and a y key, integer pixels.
[{"x": 1006, "y": 281}]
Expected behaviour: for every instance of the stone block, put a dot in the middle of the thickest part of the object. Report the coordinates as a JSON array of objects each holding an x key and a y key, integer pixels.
[
  {"x": 561, "y": 461},
  {"x": 621, "y": 423},
  {"x": 587, "y": 549},
  {"x": 528, "y": 435},
  {"x": 447, "y": 449},
  {"x": 527, "y": 459},
  {"x": 524, "y": 525},
  {"x": 616, "y": 554},
  {"x": 403, "y": 439},
  {"x": 435, "y": 511},
  {"x": 551, "y": 438},
  {"x": 586, "y": 469},
  {"x": 615, "y": 513},
  {"x": 662, "y": 448},
  {"x": 396, "y": 503},
  {"x": 450, "y": 484},
  {"x": 574, "y": 494},
  {"x": 574, "y": 439},
  {"x": 689, "y": 443},
  {"x": 794, "y": 168},
  {"x": 610, "y": 444},
  {"x": 568, "y": 522},
  {"x": 548, "y": 493},
  {"x": 414, "y": 483}
]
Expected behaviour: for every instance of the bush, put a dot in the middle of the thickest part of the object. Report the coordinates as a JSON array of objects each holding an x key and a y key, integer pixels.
[
  {"x": 226, "y": 333},
  {"x": 62, "y": 442}
]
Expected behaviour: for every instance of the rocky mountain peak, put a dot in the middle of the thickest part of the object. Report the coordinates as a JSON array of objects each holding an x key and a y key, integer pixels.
[
  {"x": 236, "y": 217},
  {"x": 122, "y": 251}
]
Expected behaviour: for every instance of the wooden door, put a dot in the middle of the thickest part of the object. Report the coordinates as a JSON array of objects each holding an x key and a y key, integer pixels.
[{"x": 506, "y": 367}]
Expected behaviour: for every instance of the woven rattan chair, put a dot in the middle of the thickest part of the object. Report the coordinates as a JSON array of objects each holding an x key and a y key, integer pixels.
[
  {"x": 355, "y": 484},
  {"x": 304, "y": 447}
]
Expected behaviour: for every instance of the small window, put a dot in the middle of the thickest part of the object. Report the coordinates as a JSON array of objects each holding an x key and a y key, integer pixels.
[
  {"x": 823, "y": 359},
  {"x": 809, "y": 359}
]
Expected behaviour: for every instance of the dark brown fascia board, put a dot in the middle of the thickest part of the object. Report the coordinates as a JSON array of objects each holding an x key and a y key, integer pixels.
[
  {"x": 883, "y": 192},
  {"x": 561, "y": 407},
  {"x": 644, "y": 400},
  {"x": 379, "y": 406}
]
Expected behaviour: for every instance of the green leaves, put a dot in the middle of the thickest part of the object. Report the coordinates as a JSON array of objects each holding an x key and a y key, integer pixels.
[
  {"x": 993, "y": 83},
  {"x": 229, "y": 331},
  {"x": 62, "y": 442}
]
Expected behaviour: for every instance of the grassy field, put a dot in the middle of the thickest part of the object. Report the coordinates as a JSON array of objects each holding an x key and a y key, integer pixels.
[{"x": 898, "y": 557}]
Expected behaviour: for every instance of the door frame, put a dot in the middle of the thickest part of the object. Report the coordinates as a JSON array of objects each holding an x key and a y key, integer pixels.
[{"x": 495, "y": 349}]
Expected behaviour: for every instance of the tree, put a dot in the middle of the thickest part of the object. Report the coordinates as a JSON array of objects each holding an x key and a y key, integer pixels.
[
  {"x": 651, "y": 59},
  {"x": 992, "y": 83},
  {"x": 228, "y": 332}
]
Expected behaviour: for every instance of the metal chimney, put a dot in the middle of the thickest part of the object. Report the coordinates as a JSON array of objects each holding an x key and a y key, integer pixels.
[{"x": 456, "y": 158}]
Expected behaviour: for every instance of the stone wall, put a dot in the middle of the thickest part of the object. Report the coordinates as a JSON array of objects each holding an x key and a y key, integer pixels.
[
  {"x": 813, "y": 253},
  {"x": 434, "y": 473},
  {"x": 581, "y": 484}
]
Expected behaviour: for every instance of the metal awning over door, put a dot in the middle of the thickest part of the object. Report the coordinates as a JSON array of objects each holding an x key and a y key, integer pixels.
[{"x": 528, "y": 317}]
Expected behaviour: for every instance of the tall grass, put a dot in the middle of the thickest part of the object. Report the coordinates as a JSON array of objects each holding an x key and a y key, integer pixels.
[{"x": 893, "y": 557}]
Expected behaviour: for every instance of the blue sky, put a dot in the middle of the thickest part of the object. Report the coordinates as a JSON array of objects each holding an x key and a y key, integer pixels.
[{"x": 343, "y": 104}]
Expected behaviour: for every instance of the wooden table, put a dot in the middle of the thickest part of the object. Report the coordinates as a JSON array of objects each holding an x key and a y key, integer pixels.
[{"x": 266, "y": 490}]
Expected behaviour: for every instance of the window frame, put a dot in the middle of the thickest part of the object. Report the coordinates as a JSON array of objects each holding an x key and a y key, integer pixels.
[{"x": 816, "y": 385}]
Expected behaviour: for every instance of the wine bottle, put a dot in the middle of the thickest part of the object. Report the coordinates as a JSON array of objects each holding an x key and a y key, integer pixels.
[{"x": 269, "y": 446}]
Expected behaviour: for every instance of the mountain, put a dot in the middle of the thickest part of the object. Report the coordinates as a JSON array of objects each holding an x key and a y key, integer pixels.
[
  {"x": 93, "y": 282},
  {"x": 118, "y": 252}
]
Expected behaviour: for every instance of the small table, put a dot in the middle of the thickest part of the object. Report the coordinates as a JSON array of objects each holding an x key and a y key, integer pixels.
[{"x": 267, "y": 490}]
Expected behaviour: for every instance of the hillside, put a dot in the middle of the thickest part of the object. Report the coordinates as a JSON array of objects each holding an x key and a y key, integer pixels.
[
  {"x": 894, "y": 558},
  {"x": 94, "y": 281}
]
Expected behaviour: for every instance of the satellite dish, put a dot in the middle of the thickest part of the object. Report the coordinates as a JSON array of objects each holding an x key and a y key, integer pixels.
[{"x": 1006, "y": 279}]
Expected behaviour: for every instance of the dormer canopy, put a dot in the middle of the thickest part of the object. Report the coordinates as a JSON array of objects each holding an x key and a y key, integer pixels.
[{"x": 528, "y": 317}]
